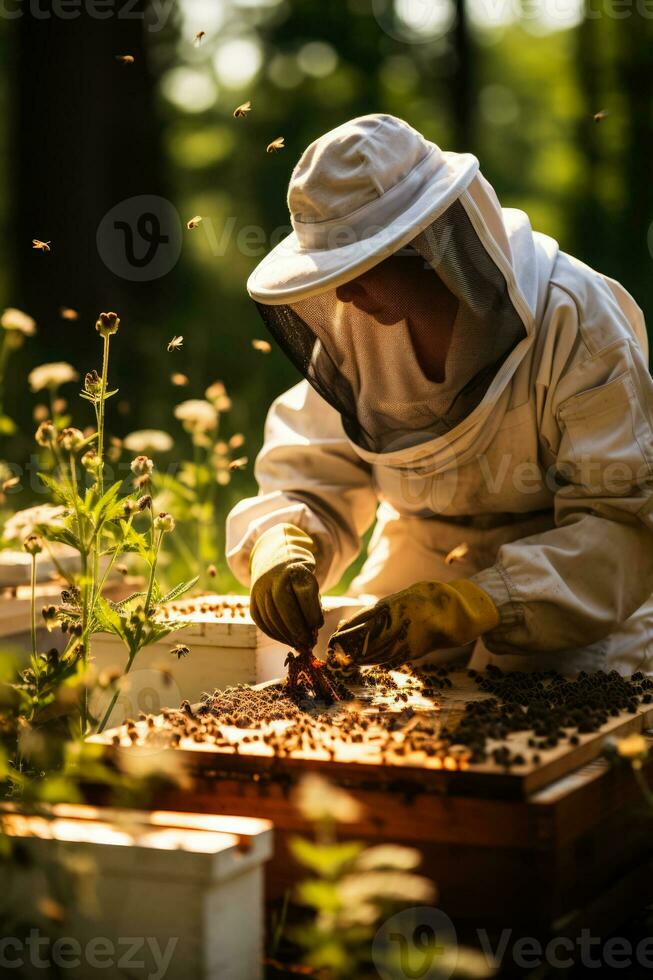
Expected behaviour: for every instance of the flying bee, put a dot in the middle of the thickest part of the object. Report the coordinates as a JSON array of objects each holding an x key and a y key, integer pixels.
[
  {"x": 67, "y": 313},
  {"x": 275, "y": 145},
  {"x": 175, "y": 344},
  {"x": 40, "y": 246},
  {"x": 600, "y": 115},
  {"x": 125, "y": 59},
  {"x": 212, "y": 571},
  {"x": 263, "y": 346},
  {"x": 199, "y": 37},
  {"x": 456, "y": 553},
  {"x": 194, "y": 222},
  {"x": 238, "y": 464},
  {"x": 241, "y": 111}
]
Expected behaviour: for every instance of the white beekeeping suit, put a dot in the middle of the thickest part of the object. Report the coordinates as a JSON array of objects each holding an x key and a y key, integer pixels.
[{"x": 536, "y": 450}]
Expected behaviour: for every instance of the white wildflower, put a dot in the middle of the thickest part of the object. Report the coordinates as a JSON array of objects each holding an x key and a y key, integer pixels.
[
  {"x": 320, "y": 800},
  {"x": 392, "y": 886},
  {"x": 13, "y": 319},
  {"x": 148, "y": 441},
  {"x": 197, "y": 415},
  {"x": 21, "y": 524},
  {"x": 51, "y": 375},
  {"x": 389, "y": 856}
]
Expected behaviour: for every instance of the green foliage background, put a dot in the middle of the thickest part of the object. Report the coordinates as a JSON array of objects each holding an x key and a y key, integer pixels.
[{"x": 521, "y": 95}]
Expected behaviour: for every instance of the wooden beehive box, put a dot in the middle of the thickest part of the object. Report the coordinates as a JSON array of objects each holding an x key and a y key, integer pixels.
[
  {"x": 226, "y": 648},
  {"x": 190, "y": 887},
  {"x": 506, "y": 846}
]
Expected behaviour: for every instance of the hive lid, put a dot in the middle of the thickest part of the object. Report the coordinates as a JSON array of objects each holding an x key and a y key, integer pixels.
[{"x": 162, "y": 844}]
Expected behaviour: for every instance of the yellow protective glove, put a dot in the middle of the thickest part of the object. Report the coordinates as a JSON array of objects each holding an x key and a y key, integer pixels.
[
  {"x": 428, "y": 616},
  {"x": 285, "y": 595}
]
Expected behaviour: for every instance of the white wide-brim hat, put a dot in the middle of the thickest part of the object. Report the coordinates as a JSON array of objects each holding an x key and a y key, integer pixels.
[{"x": 358, "y": 194}]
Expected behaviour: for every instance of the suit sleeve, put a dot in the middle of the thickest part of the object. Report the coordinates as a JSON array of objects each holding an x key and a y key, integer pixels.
[
  {"x": 573, "y": 585},
  {"x": 308, "y": 475}
]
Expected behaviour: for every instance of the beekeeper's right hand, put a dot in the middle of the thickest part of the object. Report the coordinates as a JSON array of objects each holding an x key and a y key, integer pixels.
[{"x": 285, "y": 595}]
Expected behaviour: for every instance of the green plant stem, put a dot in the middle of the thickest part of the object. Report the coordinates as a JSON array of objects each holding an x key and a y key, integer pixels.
[
  {"x": 150, "y": 584},
  {"x": 116, "y": 695},
  {"x": 101, "y": 413},
  {"x": 33, "y": 603},
  {"x": 99, "y": 587},
  {"x": 4, "y": 354}
]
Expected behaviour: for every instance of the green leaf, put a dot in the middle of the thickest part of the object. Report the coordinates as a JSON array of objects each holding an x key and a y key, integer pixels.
[
  {"x": 58, "y": 489},
  {"x": 318, "y": 894},
  {"x": 106, "y": 503},
  {"x": 327, "y": 860},
  {"x": 179, "y": 590}
]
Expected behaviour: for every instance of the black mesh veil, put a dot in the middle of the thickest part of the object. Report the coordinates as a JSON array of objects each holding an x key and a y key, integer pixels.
[{"x": 368, "y": 372}]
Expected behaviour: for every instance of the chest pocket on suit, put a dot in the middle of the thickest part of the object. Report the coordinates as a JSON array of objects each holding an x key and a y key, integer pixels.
[{"x": 609, "y": 443}]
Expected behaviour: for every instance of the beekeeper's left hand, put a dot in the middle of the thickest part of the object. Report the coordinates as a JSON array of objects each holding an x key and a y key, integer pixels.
[{"x": 428, "y": 616}]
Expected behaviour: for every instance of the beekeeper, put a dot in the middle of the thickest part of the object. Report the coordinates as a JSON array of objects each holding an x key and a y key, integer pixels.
[{"x": 470, "y": 386}]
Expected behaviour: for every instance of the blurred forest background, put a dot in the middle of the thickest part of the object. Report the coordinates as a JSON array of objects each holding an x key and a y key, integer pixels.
[{"x": 518, "y": 84}]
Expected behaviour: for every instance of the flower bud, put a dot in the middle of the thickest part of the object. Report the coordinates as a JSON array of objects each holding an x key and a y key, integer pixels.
[
  {"x": 46, "y": 434},
  {"x": 91, "y": 461},
  {"x": 107, "y": 324},
  {"x": 164, "y": 523},
  {"x": 33, "y": 544},
  {"x": 92, "y": 383},
  {"x": 71, "y": 439},
  {"x": 142, "y": 466}
]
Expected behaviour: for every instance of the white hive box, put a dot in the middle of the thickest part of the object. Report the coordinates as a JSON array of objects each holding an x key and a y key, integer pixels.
[
  {"x": 189, "y": 886},
  {"x": 16, "y": 565},
  {"x": 226, "y": 648}
]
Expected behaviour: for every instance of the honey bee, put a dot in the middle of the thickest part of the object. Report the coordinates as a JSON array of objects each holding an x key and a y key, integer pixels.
[
  {"x": 263, "y": 346},
  {"x": 601, "y": 114},
  {"x": 199, "y": 37},
  {"x": 275, "y": 145},
  {"x": 179, "y": 379},
  {"x": 456, "y": 553},
  {"x": 67, "y": 313},
  {"x": 212, "y": 571},
  {"x": 125, "y": 59},
  {"x": 40, "y": 246},
  {"x": 238, "y": 464},
  {"x": 240, "y": 112},
  {"x": 175, "y": 344},
  {"x": 194, "y": 222}
]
